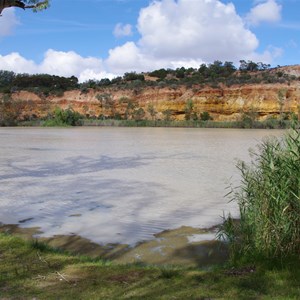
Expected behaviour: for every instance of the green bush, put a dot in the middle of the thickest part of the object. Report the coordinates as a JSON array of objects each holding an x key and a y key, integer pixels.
[
  {"x": 269, "y": 203},
  {"x": 62, "y": 117},
  {"x": 205, "y": 116}
]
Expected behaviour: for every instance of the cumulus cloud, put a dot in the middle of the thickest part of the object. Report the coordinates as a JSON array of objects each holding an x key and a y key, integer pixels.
[
  {"x": 68, "y": 63},
  {"x": 130, "y": 57},
  {"x": 15, "y": 62},
  {"x": 268, "y": 11},
  {"x": 268, "y": 55},
  {"x": 126, "y": 58},
  {"x": 173, "y": 33},
  {"x": 193, "y": 29},
  {"x": 8, "y": 21},
  {"x": 189, "y": 32},
  {"x": 57, "y": 63},
  {"x": 122, "y": 30},
  {"x": 88, "y": 74}
]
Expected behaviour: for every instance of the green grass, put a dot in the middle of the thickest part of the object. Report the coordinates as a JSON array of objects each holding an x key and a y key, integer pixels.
[
  {"x": 31, "y": 270},
  {"x": 267, "y": 124}
]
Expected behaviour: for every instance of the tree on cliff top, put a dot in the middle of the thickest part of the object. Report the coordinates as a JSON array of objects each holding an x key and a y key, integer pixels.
[{"x": 35, "y": 5}]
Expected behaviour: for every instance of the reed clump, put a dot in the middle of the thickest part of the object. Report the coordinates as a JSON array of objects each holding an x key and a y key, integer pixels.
[{"x": 269, "y": 203}]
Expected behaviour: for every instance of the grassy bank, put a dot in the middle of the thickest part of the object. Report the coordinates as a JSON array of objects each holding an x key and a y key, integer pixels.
[
  {"x": 62, "y": 118},
  {"x": 33, "y": 270},
  {"x": 267, "y": 124}
]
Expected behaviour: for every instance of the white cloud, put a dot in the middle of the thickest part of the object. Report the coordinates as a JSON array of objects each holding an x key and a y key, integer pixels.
[
  {"x": 173, "y": 33},
  {"x": 126, "y": 58},
  {"x": 187, "y": 32},
  {"x": 68, "y": 63},
  {"x": 195, "y": 29},
  {"x": 8, "y": 21},
  {"x": 268, "y": 55},
  {"x": 268, "y": 11},
  {"x": 130, "y": 57},
  {"x": 87, "y": 74},
  {"x": 15, "y": 62},
  {"x": 122, "y": 30},
  {"x": 57, "y": 63}
]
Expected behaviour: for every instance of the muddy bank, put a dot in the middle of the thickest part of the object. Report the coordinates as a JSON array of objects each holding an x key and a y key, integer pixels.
[{"x": 183, "y": 246}]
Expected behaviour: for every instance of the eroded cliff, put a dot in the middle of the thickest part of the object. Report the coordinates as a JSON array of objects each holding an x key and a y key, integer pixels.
[{"x": 223, "y": 103}]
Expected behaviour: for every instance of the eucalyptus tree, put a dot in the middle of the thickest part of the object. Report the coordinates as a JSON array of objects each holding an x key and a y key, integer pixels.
[{"x": 35, "y": 5}]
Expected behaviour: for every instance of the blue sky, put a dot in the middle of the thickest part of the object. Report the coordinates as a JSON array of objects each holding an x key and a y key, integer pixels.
[{"x": 105, "y": 38}]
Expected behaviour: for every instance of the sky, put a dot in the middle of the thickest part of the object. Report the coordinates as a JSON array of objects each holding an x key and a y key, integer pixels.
[{"x": 94, "y": 39}]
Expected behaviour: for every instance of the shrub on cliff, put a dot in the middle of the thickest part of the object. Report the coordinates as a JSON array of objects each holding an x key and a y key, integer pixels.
[
  {"x": 62, "y": 117},
  {"x": 6, "y": 80},
  {"x": 130, "y": 76},
  {"x": 205, "y": 116},
  {"x": 9, "y": 111},
  {"x": 161, "y": 73}
]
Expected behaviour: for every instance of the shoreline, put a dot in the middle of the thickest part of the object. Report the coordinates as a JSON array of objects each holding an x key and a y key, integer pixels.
[
  {"x": 184, "y": 246},
  {"x": 250, "y": 124},
  {"x": 33, "y": 270}
]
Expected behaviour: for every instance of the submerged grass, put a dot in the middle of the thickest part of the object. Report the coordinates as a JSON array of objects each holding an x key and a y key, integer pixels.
[{"x": 29, "y": 270}]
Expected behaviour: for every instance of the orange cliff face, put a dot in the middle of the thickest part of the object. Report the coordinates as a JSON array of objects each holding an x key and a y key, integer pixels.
[{"x": 222, "y": 103}]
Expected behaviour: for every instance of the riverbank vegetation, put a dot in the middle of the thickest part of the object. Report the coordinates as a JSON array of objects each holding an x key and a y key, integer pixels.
[
  {"x": 30, "y": 269},
  {"x": 269, "y": 204},
  {"x": 246, "y": 123},
  {"x": 62, "y": 118}
]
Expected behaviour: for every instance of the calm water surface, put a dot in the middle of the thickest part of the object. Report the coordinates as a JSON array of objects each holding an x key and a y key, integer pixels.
[{"x": 119, "y": 185}]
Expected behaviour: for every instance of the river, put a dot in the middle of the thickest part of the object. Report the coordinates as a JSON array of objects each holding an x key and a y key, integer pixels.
[{"x": 119, "y": 185}]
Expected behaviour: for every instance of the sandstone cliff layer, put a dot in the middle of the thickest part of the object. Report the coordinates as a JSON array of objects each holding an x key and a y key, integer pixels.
[{"x": 222, "y": 103}]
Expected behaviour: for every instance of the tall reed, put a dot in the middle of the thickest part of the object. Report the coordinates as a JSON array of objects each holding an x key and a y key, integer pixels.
[{"x": 269, "y": 202}]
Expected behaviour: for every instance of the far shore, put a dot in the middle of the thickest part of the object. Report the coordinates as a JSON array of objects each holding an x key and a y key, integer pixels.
[{"x": 245, "y": 124}]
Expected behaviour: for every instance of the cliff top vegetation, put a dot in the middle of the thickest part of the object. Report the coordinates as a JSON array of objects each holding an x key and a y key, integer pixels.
[{"x": 214, "y": 75}]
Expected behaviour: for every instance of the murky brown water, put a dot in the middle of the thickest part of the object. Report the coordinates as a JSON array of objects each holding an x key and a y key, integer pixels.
[{"x": 119, "y": 185}]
